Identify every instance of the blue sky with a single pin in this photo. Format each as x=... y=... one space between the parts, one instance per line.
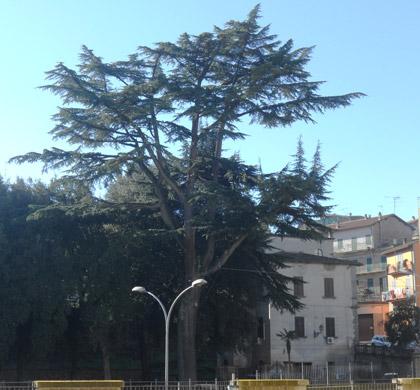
x=367 y=46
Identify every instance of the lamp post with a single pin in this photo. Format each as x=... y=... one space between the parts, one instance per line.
x=167 y=316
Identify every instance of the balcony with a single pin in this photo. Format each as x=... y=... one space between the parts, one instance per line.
x=397 y=294
x=371 y=268
x=369 y=294
x=402 y=268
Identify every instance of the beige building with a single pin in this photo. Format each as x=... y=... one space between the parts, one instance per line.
x=366 y=240
x=402 y=273
x=326 y=326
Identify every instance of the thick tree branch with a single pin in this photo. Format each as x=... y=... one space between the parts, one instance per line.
x=221 y=261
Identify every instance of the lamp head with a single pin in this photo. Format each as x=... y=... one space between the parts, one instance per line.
x=139 y=289
x=198 y=283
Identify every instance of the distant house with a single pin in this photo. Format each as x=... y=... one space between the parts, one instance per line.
x=365 y=240
x=326 y=326
x=402 y=274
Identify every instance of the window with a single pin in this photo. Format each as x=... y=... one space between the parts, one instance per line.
x=368 y=240
x=354 y=244
x=383 y=285
x=394 y=283
x=298 y=287
x=368 y=264
x=370 y=284
x=383 y=263
x=340 y=243
x=328 y=288
x=299 y=326
x=330 y=327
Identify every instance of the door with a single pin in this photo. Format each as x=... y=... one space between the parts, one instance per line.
x=365 y=327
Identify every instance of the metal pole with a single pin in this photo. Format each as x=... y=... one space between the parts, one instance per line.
x=168 y=319
x=167 y=316
x=328 y=379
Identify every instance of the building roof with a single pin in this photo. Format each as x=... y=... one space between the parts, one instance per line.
x=300 y=257
x=398 y=248
x=365 y=222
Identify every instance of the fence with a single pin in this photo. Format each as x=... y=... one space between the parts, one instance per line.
x=338 y=374
x=174 y=385
x=211 y=385
x=222 y=385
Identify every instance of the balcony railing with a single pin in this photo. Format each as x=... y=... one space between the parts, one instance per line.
x=404 y=267
x=374 y=294
x=397 y=294
x=370 y=268
x=369 y=294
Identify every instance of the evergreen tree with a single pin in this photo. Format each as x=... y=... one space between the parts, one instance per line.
x=130 y=116
x=403 y=325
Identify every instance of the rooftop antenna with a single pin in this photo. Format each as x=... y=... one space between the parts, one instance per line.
x=394 y=198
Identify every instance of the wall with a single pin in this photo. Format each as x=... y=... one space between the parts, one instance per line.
x=313 y=347
x=392 y=229
x=379 y=311
x=347 y=235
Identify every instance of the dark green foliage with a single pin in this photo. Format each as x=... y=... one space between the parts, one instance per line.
x=32 y=266
x=403 y=324
x=127 y=118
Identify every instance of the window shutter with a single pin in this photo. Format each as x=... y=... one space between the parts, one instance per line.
x=330 y=326
x=329 y=287
x=300 y=326
x=298 y=287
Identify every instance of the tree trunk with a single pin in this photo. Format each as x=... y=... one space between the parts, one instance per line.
x=106 y=361
x=187 y=330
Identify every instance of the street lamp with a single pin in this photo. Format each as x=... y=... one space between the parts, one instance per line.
x=167 y=316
